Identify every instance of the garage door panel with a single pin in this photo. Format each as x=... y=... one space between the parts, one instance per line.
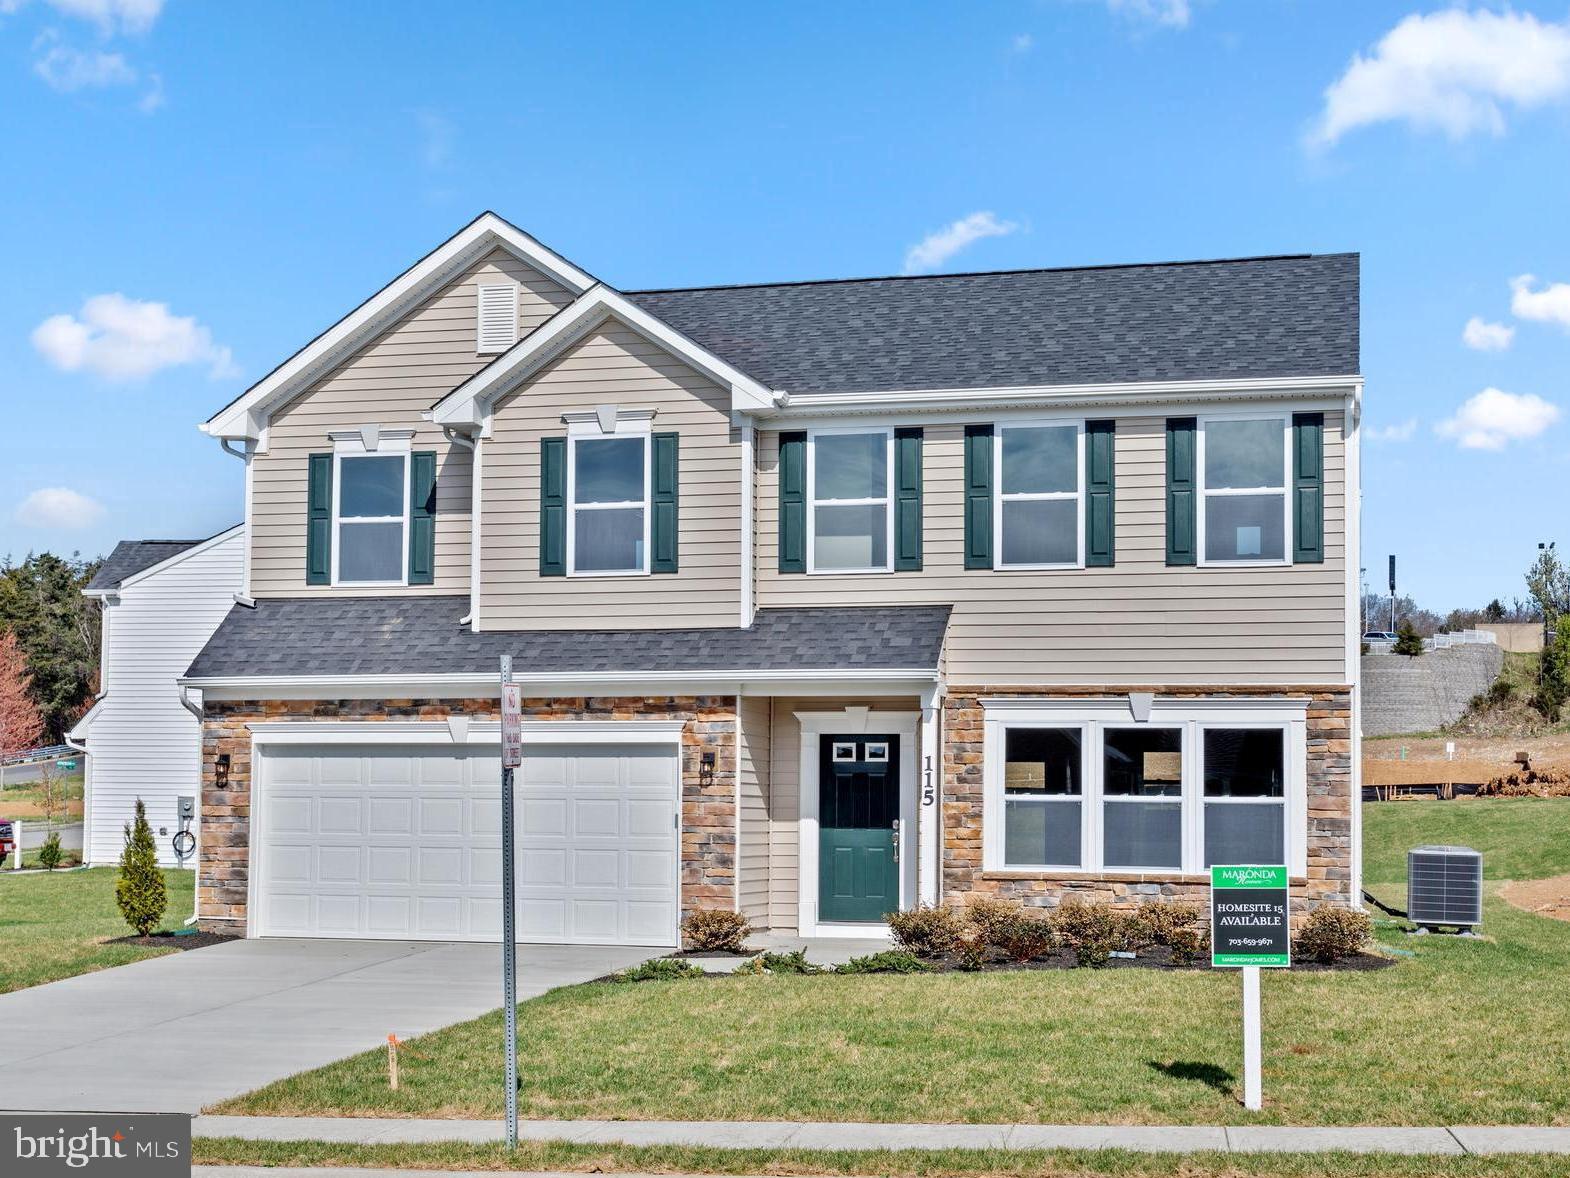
x=341 y=815
x=439 y=817
x=383 y=841
x=597 y=817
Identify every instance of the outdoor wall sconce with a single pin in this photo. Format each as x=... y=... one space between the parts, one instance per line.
x=706 y=769
x=221 y=771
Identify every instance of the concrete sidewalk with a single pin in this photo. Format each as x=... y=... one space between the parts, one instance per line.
x=1452 y=1141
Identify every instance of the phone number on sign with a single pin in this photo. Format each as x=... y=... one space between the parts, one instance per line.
x=1250 y=942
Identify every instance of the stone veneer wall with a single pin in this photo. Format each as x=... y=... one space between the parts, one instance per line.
x=708 y=836
x=1329 y=878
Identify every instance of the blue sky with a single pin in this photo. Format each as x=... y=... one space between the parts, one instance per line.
x=257 y=170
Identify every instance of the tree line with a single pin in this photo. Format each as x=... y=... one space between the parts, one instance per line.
x=49 y=648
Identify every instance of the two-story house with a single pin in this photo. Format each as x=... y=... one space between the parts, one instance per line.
x=827 y=598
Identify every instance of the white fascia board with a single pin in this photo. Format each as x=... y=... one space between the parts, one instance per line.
x=82 y=728
x=205 y=546
x=246 y=417
x=477 y=732
x=468 y=404
x=484 y=686
x=791 y=406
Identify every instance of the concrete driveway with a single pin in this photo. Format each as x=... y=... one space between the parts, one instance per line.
x=181 y=1032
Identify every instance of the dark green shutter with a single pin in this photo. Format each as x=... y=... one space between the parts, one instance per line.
x=793 y=503
x=319 y=520
x=662 y=528
x=422 y=517
x=1099 y=463
x=978 y=496
x=907 y=500
x=1182 y=490
x=553 y=507
x=1308 y=488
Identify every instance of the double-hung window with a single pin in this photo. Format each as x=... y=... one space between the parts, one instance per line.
x=1041 y=478
x=1078 y=786
x=1243 y=485
x=850 y=520
x=371 y=519
x=608 y=505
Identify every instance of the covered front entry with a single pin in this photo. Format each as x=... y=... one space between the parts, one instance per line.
x=858 y=827
x=401 y=841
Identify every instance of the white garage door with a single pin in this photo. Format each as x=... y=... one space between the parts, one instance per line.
x=404 y=842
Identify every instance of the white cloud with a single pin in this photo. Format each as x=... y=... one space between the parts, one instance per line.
x=59 y=507
x=1485 y=336
x=128 y=339
x=1022 y=43
x=1494 y=418
x=942 y=244
x=1168 y=14
x=1549 y=305
x=113 y=16
x=1401 y=431
x=1450 y=71
x=68 y=69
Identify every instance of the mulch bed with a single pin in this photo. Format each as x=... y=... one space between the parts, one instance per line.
x=181 y=941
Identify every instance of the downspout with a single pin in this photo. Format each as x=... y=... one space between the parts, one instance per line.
x=748 y=523
x=244 y=596
x=191 y=701
x=473 y=446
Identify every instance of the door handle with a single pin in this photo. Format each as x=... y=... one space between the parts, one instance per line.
x=895 y=835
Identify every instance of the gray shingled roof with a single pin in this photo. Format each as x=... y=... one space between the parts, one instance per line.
x=1248 y=317
x=135 y=556
x=414 y=635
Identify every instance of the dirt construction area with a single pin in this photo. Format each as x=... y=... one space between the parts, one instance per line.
x=1546 y=897
x=1406 y=760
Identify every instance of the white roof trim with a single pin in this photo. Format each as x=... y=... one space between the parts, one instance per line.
x=469 y=402
x=245 y=417
x=792 y=405
x=168 y=562
x=81 y=729
x=479 y=731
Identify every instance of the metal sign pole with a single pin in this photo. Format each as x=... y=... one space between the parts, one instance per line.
x=511 y=756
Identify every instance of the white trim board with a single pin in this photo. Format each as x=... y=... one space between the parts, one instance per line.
x=246 y=416
x=853 y=721
x=480 y=732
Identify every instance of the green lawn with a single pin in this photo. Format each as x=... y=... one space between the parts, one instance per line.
x=1520 y=838
x=1473 y=1032
x=559 y=1157
x=53 y=926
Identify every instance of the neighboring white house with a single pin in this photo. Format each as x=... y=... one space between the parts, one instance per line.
x=162 y=600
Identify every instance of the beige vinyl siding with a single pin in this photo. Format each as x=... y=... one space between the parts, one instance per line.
x=613 y=366
x=784 y=796
x=390 y=382
x=752 y=784
x=1138 y=622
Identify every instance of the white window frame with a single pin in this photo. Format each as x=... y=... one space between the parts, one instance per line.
x=587 y=432
x=1082 y=797
x=887 y=502
x=1092 y=717
x=386 y=448
x=1284 y=801
x=1181 y=800
x=1285 y=490
x=1077 y=495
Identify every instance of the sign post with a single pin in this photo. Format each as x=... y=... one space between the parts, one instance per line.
x=1249 y=930
x=512 y=757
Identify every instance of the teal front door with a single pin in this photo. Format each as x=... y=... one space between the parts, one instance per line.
x=858 y=827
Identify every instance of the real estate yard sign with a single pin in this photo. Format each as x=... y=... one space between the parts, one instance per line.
x=1248 y=917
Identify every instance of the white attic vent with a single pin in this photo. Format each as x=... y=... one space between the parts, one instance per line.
x=498 y=317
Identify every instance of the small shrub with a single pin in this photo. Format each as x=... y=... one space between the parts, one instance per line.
x=926 y=932
x=49 y=854
x=889 y=961
x=139 y=890
x=715 y=930
x=988 y=914
x=1408 y=641
x=752 y=967
x=793 y=962
x=1093 y=932
x=970 y=949
x=658 y=969
x=1332 y=934
x=1023 y=936
x=1177 y=927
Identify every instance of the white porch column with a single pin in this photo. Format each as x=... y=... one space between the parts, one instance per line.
x=929 y=778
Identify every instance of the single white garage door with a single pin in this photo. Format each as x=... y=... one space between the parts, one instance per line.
x=404 y=842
